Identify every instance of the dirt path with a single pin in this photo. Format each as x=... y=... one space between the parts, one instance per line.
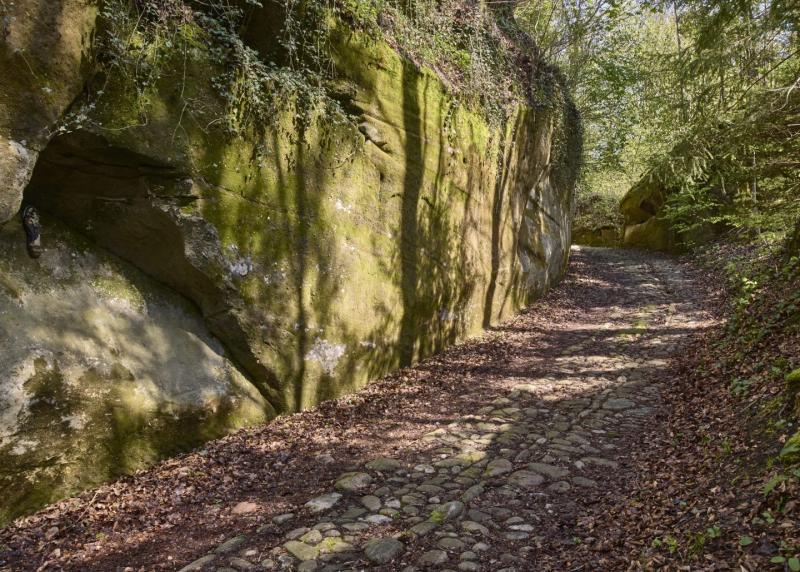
x=482 y=459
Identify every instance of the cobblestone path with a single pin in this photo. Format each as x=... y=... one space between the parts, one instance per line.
x=500 y=488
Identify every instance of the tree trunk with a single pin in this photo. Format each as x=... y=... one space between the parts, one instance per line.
x=793 y=244
x=681 y=71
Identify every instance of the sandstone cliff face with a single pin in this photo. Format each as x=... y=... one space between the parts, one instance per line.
x=103 y=371
x=194 y=281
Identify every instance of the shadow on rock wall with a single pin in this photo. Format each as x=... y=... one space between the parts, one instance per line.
x=315 y=255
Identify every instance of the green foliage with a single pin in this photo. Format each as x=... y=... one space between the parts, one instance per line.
x=480 y=54
x=738 y=175
x=733 y=168
x=463 y=43
x=672 y=544
x=739 y=387
x=610 y=51
x=791 y=450
x=595 y=210
x=773 y=483
x=437 y=516
x=699 y=95
x=698 y=544
x=791 y=562
x=142 y=40
x=754 y=317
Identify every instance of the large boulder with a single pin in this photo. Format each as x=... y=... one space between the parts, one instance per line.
x=652 y=234
x=641 y=209
x=103 y=371
x=643 y=201
x=647 y=226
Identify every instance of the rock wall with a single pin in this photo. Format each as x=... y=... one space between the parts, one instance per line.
x=44 y=47
x=103 y=371
x=195 y=281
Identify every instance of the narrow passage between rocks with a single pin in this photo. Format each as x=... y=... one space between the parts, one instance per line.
x=482 y=459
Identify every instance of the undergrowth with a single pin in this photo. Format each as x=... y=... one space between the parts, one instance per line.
x=477 y=51
x=724 y=482
x=597 y=211
x=756 y=357
x=140 y=42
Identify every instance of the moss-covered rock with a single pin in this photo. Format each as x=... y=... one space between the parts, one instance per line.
x=653 y=234
x=43 y=63
x=319 y=251
x=643 y=201
x=441 y=222
x=646 y=224
x=641 y=209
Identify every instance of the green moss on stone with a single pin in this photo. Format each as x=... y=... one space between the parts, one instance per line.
x=116 y=286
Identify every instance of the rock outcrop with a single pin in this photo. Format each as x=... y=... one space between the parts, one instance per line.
x=103 y=371
x=641 y=207
x=605 y=236
x=646 y=226
x=195 y=280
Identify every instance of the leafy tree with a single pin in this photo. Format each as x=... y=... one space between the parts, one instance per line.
x=701 y=95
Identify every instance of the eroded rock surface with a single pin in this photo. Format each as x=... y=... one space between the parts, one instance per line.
x=104 y=371
x=319 y=251
x=44 y=52
x=641 y=208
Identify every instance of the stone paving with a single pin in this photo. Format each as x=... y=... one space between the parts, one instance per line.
x=496 y=487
